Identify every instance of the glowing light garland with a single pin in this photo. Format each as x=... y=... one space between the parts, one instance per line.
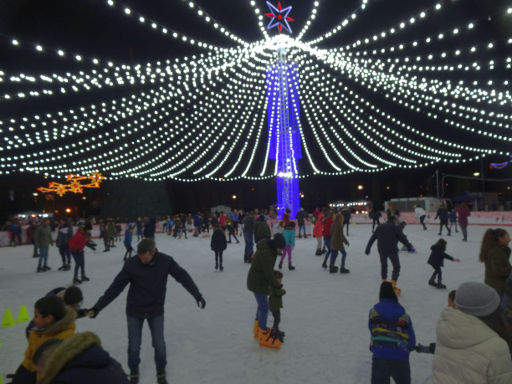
x=204 y=117
x=74 y=185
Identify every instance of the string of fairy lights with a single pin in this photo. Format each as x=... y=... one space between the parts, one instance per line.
x=204 y=116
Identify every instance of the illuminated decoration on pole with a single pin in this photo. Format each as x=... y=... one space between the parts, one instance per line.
x=279 y=17
x=500 y=165
x=74 y=184
x=283 y=124
x=429 y=87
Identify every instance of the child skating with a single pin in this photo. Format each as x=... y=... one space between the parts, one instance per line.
x=218 y=245
x=436 y=260
x=275 y=303
x=289 y=236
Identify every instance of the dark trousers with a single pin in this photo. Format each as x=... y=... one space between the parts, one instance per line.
x=249 y=244
x=128 y=252
x=65 y=254
x=422 y=221
x=444 y=223
x=373 y=224
x=384 y=265
x=327 y=244
x=464 y=229
x=277 y=318
x=302 y=229
x=156 y=326
x=78 y=256
x=231 y=232
x=437 y=273
x=347 y=223
x=218 y=258
x=383 y=370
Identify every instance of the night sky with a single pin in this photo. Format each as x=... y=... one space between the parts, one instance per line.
x=94 y=29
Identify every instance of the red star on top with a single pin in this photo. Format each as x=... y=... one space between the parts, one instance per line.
x=279 y=17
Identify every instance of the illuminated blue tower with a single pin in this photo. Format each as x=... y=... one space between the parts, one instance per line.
x=283 y=124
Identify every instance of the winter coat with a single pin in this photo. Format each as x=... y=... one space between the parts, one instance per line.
x=507 y=300
x=289 y=237
x=43 y=236
x=148 y=285
x=260 y=278
x=392 y=333
x=418 y=212
x=128 y=237
x=437 y=256
x=497 y=267
x=388 y=236
x=300 y=217
x=318 y=229
x=261 y=231
x=452 y=215
x=275 y=300
x=463 y=212
x=64 y=235
x=468 y=351
x=78 y=241
x=326 y=231
x=248 y=223
x=222 y=220
x=346 y=216
x=61 y=329
x=375 y=215
x=218 y=242
x=111 y=229
x=150 y=228
x=337 y=237
x=197 y=220
x=442 y=213
x=80 y=359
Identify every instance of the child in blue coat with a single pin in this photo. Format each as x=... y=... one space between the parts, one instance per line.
x=392 y=338
x=289 y=237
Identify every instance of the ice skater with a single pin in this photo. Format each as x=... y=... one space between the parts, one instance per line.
x=388 y=235
x=289 y=237
x=337 y=242
x=420 y=214
x=392 y=338
x=147 y=275
x=442 y=214
x=218 y=245
x=436 y=260
x=128 y=242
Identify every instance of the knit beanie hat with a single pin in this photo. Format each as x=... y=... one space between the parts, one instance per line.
x=476 y=299
x=278 y=241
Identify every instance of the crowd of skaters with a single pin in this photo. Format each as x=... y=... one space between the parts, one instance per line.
x=476 y=322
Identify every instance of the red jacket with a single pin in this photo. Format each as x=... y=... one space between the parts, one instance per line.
x=318 y=228
x=222 y=220
x=78 y=241
x=463 y=213
x=327 y=227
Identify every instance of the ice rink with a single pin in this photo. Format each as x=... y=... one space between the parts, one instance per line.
x=325 y=316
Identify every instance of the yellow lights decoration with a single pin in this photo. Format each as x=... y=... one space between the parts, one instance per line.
x=423 y=88
x=74 y=184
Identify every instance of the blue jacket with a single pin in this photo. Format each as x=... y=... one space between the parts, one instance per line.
x=392 y=334
x=289 y=236
x=148 y=285
x=128 y=237
x=197 y=220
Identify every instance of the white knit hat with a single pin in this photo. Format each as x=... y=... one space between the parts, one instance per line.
x=476 y=299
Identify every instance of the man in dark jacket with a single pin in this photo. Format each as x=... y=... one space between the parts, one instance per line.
x=261 y=229
x=248 y=224
x=260 y=280
x=301 y=217
x=388 y=235
x=76 y=360
x=147 y=275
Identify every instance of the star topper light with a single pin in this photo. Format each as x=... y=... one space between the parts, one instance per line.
x=279 y=17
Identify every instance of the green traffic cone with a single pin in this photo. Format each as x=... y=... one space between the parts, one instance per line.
x=23 y=315
x=8 y=320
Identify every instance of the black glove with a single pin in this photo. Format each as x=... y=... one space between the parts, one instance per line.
x=431 y=348
x=367 y=252
x=201 y=303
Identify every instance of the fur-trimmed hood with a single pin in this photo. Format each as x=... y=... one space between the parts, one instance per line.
x=62 y=324
x=73 y=351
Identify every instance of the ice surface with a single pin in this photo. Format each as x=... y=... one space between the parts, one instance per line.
x=325 y=316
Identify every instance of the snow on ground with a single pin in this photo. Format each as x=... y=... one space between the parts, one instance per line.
x=325 y=316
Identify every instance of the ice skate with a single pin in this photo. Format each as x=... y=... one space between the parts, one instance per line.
x=85 y=278
x=256 y=329
x=266 y=339
x=333 y=269
x=290 y=267
x=161 y=377
x=344 y=270
x=280 y=265
x=76 y=280
x=397 y=290
x=432 y=282
x=440 y=285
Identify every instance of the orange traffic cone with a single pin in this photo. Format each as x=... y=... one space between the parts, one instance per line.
x=265 y=339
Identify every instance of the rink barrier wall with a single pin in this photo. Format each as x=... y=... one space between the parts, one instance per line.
x=495 y=218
